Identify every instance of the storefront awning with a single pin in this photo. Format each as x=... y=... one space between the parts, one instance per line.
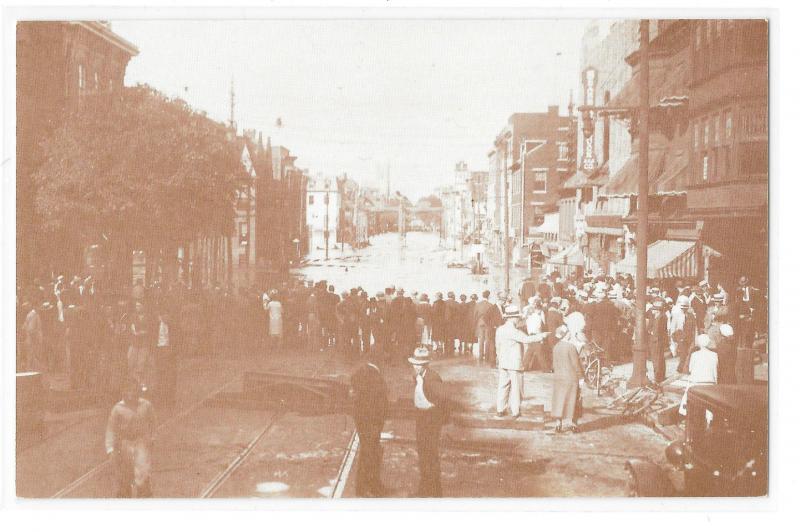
x=550 y=225
x=571 y=256
x=582 y=179
x=669 y=77
x=668 y=172
x=668 y=259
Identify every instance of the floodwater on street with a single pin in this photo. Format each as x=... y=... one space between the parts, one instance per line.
x=418 y=266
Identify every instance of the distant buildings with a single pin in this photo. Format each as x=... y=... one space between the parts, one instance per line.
x=528 y=164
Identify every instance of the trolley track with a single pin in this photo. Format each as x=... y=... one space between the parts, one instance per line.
x=261 y=439
x=87 y=484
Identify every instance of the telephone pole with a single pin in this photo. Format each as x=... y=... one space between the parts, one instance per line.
x=506 y=236
x=639 y=375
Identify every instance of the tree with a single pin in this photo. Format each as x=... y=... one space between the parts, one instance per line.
x=139 y=170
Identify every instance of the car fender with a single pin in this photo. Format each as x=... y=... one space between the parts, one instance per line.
x=648 y=480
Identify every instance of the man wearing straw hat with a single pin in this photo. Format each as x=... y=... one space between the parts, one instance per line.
x=510 y=344
x=430 y=402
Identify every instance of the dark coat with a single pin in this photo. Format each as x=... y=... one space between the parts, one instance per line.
x=370 y=396
x=435 y=391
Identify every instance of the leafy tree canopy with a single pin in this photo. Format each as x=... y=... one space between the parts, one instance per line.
x=138 y=167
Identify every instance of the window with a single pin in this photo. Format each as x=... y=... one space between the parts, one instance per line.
x=96 y=81
x=698 y=35
x=706 y=127
x=539 y=180
x=753 y=159
x=696 y=135
x=754 y=122
x=710 y=30
x=716 y=129
x=311 y=199
x=705 y=167
x=563 y=151
x=243 y=233
x=719 y=28
x=81 y=77
x=728 y=125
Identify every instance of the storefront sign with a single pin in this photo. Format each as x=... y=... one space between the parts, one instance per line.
x=589 y=161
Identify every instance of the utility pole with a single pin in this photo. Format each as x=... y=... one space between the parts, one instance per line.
x=506 y=237
x=327 y=214
x=639 y=375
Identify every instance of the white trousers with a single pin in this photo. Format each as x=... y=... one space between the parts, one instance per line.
x=509 y=391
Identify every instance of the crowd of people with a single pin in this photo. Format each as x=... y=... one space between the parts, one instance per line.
x=119 y=345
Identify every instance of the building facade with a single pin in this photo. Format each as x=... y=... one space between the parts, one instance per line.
x=61 y=66
x=322 y=215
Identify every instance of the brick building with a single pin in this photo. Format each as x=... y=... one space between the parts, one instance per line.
x=60 y=67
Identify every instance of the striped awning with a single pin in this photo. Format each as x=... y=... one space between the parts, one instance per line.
x=668 y=259
x=571 y=256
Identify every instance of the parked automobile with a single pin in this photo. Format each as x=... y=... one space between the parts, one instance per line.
x=724 y=452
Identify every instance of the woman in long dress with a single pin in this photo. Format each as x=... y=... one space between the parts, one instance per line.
x=567 y=375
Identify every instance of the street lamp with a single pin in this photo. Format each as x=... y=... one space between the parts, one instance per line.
x=640 y=117
x=296 y=243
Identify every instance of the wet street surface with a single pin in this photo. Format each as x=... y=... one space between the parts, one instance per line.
x=211 y=451
x=420 y=265
x=212 y=448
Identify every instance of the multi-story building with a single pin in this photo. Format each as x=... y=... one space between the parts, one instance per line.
x=478 y=196
x=61 y=66
x=708 y=170
x=528 y=165
x=322 y=214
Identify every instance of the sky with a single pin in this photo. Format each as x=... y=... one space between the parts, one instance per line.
x=363 y=96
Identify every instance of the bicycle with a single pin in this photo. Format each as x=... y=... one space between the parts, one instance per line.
x=595 y=373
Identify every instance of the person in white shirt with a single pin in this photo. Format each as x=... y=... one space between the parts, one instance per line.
x=702 y=368
x=509 y=344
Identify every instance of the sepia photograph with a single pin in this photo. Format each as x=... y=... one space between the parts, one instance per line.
x=392 y=258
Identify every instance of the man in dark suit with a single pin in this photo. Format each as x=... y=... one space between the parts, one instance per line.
x=482 y=319
x=657 y=339
x=370 y=407
x=451 y=323
x=431 y=403
x=745 y=305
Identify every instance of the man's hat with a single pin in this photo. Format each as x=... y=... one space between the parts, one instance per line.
x=511 y=311
x=421 y=357
x=683 y=301
x=726 y=330
x=717 y=298
x=658 y=303
x=450 y=295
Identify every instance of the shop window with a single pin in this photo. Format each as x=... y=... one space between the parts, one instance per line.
x=311 y=199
